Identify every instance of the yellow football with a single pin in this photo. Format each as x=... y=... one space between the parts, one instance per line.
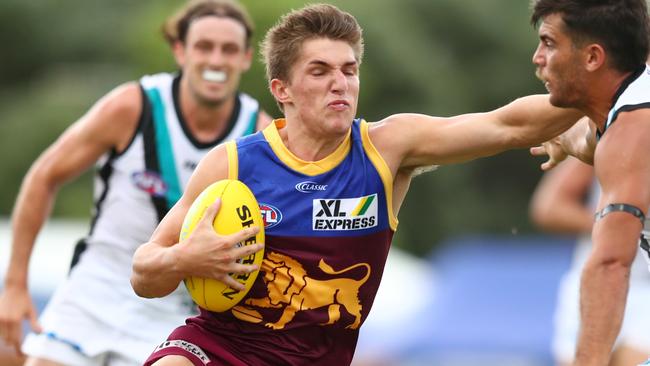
x=239 y=210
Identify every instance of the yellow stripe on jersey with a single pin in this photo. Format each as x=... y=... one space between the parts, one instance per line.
x=382 y=169
x=310 y=168
x=233 y=160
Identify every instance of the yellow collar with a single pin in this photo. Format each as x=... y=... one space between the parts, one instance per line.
x=310 y=168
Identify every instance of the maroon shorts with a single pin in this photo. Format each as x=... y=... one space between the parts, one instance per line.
x=191 y=342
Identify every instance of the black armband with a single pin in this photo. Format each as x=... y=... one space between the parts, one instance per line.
x=620 y=207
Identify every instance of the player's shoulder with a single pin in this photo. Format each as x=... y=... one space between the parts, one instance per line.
x=124 y=102
x=114 y=117
x=402 y=125
x=628 y=138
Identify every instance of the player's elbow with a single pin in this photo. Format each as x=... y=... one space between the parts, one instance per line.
x=144 y=279
x=145 y=286
x=150 y=276
x=139 y=281
x=541 y=216
x=138 y=287
x=612 y=261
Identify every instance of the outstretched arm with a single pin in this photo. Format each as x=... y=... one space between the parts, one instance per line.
x=412 y=140
x=624 y=174
x=162 y=263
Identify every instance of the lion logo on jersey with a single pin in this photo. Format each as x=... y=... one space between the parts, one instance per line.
x=290 y=287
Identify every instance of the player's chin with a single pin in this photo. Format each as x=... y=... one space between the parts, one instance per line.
x=214 y=98
x=345 y=115
x=340 y=122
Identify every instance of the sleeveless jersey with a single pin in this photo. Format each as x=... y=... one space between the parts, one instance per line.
x=328 y=227
x=126 y=192
x=125 y=216
x=633 y=94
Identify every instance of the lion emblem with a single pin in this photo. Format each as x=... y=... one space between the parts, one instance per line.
x=290 y=287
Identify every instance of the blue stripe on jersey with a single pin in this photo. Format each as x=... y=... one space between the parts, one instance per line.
x=347 y=200
x=164 y=146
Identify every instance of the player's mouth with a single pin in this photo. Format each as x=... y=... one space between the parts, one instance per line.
x=214 y=76
x=538 y=74
x=339 y=105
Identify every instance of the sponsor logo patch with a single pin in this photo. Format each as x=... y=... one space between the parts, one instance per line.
x=149 y=182
x=310 y=187
x=345 y=214
x=271 y=215
x=192 y=348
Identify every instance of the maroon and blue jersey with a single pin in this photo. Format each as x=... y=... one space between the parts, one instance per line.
x=328 y=228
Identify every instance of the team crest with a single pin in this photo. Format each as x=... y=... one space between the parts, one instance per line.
x=292 y=289
x=150 y=182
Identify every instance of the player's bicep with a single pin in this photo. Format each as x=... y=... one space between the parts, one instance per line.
x=621 y=161
x=107 y=124
x=449 y=140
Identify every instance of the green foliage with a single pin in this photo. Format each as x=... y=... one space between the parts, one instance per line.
x=438 y=57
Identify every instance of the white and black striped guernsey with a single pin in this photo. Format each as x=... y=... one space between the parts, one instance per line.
x=95 y=311
x=155 y=167
x=135 y=188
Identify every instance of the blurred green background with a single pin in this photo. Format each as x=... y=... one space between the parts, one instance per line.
x=439 y=57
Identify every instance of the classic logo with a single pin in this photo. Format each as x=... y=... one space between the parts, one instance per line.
x=310 y=187
x=345 y=214
x=149 y=182
x=271 y=215
x=291 y=288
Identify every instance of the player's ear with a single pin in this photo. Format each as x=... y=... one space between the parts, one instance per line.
x=179 y=53
x=595 y=57
x=280 y=91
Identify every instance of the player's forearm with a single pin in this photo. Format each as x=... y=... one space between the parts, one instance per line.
x=32 y=209
x=532 y=120
x=602 y=302
x=155 y=270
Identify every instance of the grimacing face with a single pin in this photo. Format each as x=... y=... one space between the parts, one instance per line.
x=213 y=58
x=559 y=63
x=323 y=89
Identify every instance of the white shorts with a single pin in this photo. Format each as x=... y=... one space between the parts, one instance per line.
x=95 y=318
x=635 y=331
x=66 y=352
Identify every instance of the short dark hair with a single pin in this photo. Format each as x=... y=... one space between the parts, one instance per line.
x=176 y=26
x=621 y=27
